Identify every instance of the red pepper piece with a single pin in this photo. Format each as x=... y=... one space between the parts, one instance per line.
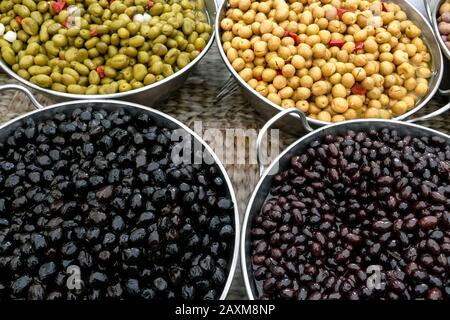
x=359 y=46
x=341 y=11
x=384 y=7
x=150 y=4
x=358 y=89
x=293 y=36
x=59 y=5
x=93 y=33
x=101 y=72
x=65 y=24
x=19 y=19
x=336 y=43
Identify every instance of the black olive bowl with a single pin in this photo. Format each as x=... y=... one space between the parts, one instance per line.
x=299 y=147
x=159 y=119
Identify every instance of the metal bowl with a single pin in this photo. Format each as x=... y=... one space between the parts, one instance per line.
x=147 y=95
x=43 y=113
x=281 y=162
x=432 y=10
x=267 y=108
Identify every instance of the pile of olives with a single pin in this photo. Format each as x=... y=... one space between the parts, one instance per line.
x=101 y=47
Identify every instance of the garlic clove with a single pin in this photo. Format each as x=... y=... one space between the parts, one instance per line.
x=10 y=36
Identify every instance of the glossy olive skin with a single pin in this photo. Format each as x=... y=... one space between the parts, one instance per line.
x=98 y=190
x=349 y=202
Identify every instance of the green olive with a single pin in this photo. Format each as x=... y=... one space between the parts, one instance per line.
x=110 y=88
x=131 y=52
x=132 y=28
x=200 y=43
x=171 y=56
x=143 y=57
x=157 y=68
x=56 y=76
x=26 y=61
x=123 y=87
x=119 y=61
x=110 y=72
x=167 y=70
x=59 y=40
x=157 y=9
x=106 y=81
x=51 y=48
x=154 y=32
x=94 y=78
x=183 y=60
x=43 y=34
x=95 y=9
x=127 y=73
x=76 y=89
x=80 y=68
x=64 y=51
x=23 y=74
x=71 y=54
x=136 y=84
x=139 y=71
x=82 y=55
x=36 y=70
x=68 y=79
x=21 y=10
x=123 y=33
x=71 y=72
x=159 y=49
x=41 y=60
x=136 y=41
x=30 y=4
x=30 y=26
x=188 y=27
x=84 y=81
x=4 y=43
x=149 y=79
x=43 y=6
x=53 y=28
x=42 y=80
x=101 y=47
x=89 y=44
x=112 y=51
x=92 y=89
x=32 y=49
x=6 y=6
x=93 y=52
x=73 y=32
x=59 y=87
x=90 y=64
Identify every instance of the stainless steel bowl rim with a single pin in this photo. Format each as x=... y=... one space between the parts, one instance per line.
x=235 y=253
x=434 y=16
x=118 y=95
x=246 y=224
x=318 y=123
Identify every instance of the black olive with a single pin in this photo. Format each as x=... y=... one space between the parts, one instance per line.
x=46 y=270
x=97 y=190
x=349 y=202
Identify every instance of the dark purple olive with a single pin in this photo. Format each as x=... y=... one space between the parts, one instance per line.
x=352 y=207
x=92 y=206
